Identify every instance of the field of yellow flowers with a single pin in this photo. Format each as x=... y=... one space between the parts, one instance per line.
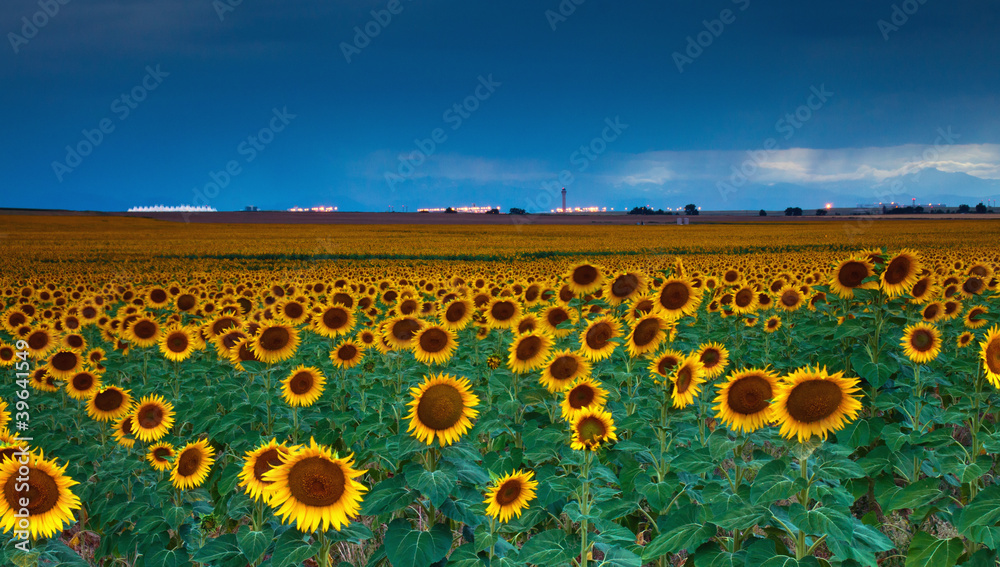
x=749 y=395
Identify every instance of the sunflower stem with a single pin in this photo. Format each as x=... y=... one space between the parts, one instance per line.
x=323 y=557
x=493 y=537
x=295 y=424
x=585 y=506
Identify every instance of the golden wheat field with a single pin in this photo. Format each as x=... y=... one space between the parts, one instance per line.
x=774 y=394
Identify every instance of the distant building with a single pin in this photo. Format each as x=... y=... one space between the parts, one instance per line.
x=250 y=209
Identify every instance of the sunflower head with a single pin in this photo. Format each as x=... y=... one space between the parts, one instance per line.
x=152 y=418
x=45 y=487
x=562 y=369
x=591 y=428
x=687 y=378
x=901 y=273
x=347 y=354
x=508 y=496
x=434 y=344
x=648 y=333
x=160 y=456
x=714 y=357
x=676 y=298
x=258 y=462
x=811 y=401
x=192 y=464
x=851 y=274
x=921 y=342
x=442 y=408
x=743 y=400
x=582 y=394
x=584 y=278
x=275 y=342
x=529 y=351
x=596 y=340
x=109 y=403
x=303 y=386
x=989 y=352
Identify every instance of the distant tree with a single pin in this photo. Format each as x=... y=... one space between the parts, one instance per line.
x=691 y=209
x=963 y=209
x=980 y=208
x=493 y=211
x=762 y=213
x=646 y=211
x=450 y=210
x=821 y=212
x=793 y=212
x=517 y=211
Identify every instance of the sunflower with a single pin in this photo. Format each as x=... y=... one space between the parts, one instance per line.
x=7 y=354
x=442 y=408
x=241 y=352
x=159 y=456
x=932 y=311
x=509 y=495
x=555 y=317
x=789 y=298
x=687 y=378
x=256 y=463
x=924 y=290
x=456 y=314
x=152 y=418
x=583 y=394
x=974 y=317
x=125 y=432
x=399 y=331
x=4 y=415
x=74 y=341
x=745 y=300
x=64 y=364
x=303 y=386
x=367 y=339
x=315 y=488
x=714 y=357
x=773 y=324
x=434 y=344
x=291 y=311
x=82 y=385
x=965 y=339
x=529 y=351
x=275 y=342
x=595 y=340
x=850 y=275
x=989 y=351
x=648 y=332
x=677 y=298
x=743 y=400
x=810 y=401
x=901 y=273
x=143 y=332
x=528 y=322
x=591 y=427
x=921 y=342
x=40 y=342
x=347 y=354
x=45 y=487
x=333 y=320
x=192 y=464
x=584 y=278
x=502 y=313
x=663 y=364
x=564 y=367
x=176 y=343
x=109 y=404
x=624 y=287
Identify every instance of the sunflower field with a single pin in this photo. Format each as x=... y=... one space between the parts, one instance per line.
x=742 y=395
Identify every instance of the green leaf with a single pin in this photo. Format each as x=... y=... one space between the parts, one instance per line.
x=916 y=495
x=821 y=521
x=926 y=549
x=550 y=547
x=407 y=547
x=176 y=515
x=435 y=485
x=465 y=556
x=387 y=496
x=217 y=549
x=291 y=549
x=619 y=557
x=983 y=510
x=782 y=561
x=254 y=544
x=684 y=537
x=168 y=558
x=841 y=469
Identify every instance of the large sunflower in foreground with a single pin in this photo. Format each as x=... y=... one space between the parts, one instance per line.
x=595 y=340
x=303 y=386
x=901 y=273
x=109 y=403
x=160 y=455
x=565 y=367
x=314 y=488
x=584 y=394
x=591 y=428
x=456 y=314
x=82 y=385
x=529 y=351
x=509 y=495
x=45 y=487
x=177 y=344
x=850 y=275
x=275 y=342
x=442 y=408
x=502 y=313
x=990 y=354
x=192 y=464
x=646 y=336
x=677 y=298
x=810 y=401
x=921 y=342
x=256 y=463
x=434 y=344
x=152 y=418
x=714 y=357
x=743 y=400
x=687 y=377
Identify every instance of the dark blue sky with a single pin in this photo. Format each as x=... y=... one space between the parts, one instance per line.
x=348 y=130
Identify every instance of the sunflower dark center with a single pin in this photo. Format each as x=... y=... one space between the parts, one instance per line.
x=440 y=407
x=144 y=329
x=265 y=462
x=951 y=307
x=591 y=429
x=315 y=481
x=177 y=342
x=503 y=310
x=624 y=285
x=773 y=323
x=42 y=492
x=814 y=400
x=293 y=310
x=189 y=462
x=922 y=340
x=585 y=275
x=920 y=288
x=975 y=314
x=433 y=340
x=749 y=395
x=274 y=338
x=301 y=383
x=6 y=353
x=598 y=335
x=898 y=270
x=790 y=298
x=684 y=378
x=335 y=318
x=532 y=292
x=149 y=416
x=38 y=340
x=852 y=274
x=161 y=453
x=408 y=306
x=744 y=297
x=509 y=492
x=109 y=400
x=556 y=316
x=710 y=357
x=581 y=396
x=455 y=312
x=405 y=329
x=675 y=295
x=565 y=293
x=83 y=381
x=344 y=299
x=564 y=367
x=731 y=276
x=931 y=311
x=645 y=332
x=528 y=347
x=74 y=341
x=347 y=352
x=972 y=286
x=158 y=295
x=186 y=302
x=666 y=364
x=992 y=355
